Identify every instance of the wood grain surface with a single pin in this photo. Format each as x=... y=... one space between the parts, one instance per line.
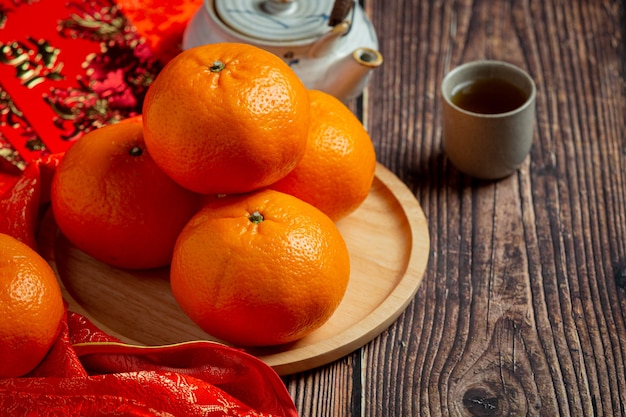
x=523 y=306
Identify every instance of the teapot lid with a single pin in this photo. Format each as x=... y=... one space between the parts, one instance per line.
x=276 y=20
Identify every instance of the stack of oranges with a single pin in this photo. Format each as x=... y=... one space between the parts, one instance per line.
x=235 y=175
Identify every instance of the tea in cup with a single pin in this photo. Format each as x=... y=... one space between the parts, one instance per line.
x=488 y=118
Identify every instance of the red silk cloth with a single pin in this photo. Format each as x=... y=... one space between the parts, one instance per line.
x=68 y=67
x=88 y=373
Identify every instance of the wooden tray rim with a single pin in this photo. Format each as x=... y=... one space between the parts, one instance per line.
x=370 y=326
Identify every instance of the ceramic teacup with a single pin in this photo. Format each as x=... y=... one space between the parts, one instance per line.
x=488 y=118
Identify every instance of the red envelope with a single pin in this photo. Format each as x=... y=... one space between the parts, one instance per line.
x=67 y=68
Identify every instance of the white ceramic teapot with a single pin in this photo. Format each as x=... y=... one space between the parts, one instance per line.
x=330 y=44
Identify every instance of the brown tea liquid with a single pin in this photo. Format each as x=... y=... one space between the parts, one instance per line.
x=488 y=96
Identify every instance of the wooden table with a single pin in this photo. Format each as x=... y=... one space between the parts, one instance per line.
x=522 y=309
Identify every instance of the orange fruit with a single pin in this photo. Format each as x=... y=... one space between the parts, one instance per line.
x=226 y=118
x=336 y=173
x=259 y=269
x=31 y=307
x=113 y=202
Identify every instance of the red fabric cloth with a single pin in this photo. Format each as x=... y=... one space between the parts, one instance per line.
x=22 y=196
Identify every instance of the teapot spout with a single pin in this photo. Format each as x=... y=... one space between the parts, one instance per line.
x=349 y=76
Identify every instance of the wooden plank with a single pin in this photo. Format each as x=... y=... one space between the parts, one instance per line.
x=519 y=312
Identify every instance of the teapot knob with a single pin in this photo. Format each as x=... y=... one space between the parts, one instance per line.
x=278 y=6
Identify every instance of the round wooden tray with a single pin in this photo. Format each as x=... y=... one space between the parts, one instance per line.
x=389 y=246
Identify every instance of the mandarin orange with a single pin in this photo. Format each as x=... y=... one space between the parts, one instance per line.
x=336 y=173
x=260 y=269
x=113 y=202
x=31 y=307
x=226 y=118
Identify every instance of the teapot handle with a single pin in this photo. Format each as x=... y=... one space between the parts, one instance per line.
x=340 y=11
